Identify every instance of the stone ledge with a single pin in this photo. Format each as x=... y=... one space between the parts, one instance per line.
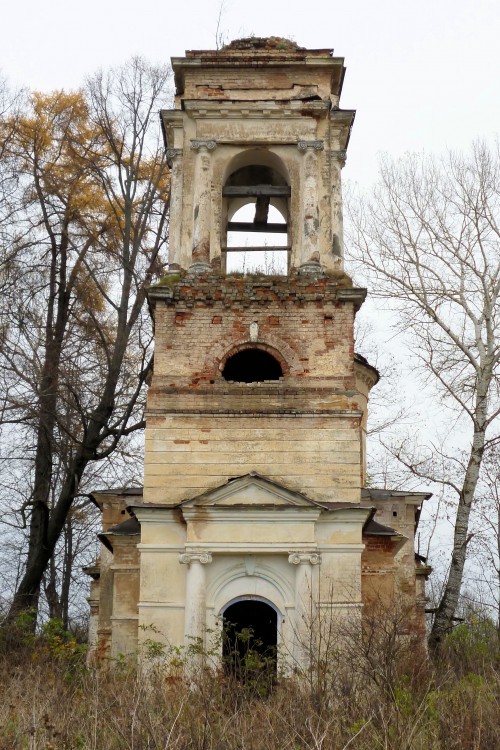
x=352 y=413
x=211 y=288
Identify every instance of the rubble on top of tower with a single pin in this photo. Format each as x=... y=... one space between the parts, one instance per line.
x=270 y=43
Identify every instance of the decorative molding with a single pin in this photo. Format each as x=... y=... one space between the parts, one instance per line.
x=199 y=268
x=311 y=268
x=353 y=549
x=125 y=618
x=316 y=145
x=237 y=109
x=296 y=558
x=172 y=154
x=281 y=548
x=251 y=514
x=162 y=605
x=163 y=514
x=236 y=414
x=368 y=380
x=161 y=548
x=249 y=565
x=340 y=155
x=254 y=331
x=186 y=558
x=210 y=145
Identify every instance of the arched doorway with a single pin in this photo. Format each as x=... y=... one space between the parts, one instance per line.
x=250 y=640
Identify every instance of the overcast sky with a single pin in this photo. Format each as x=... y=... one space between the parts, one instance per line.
x=420 y=75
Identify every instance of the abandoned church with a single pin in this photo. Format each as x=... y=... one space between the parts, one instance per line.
x=255 y=509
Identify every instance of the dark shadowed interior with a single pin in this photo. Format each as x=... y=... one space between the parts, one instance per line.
x=252 y=366
x=250 y=638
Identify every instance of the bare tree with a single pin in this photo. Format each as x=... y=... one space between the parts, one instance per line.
x=429 y=241
x=91 y=220
x=485 y=544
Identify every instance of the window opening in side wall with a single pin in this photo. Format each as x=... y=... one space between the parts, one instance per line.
x=252 y=366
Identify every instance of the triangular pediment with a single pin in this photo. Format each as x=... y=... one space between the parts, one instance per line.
x=252 y=490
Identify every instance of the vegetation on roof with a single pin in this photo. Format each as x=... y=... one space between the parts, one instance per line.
x=270 y=43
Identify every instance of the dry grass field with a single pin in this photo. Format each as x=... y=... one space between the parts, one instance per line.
x=386 y=696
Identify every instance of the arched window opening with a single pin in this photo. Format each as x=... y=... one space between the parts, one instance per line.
x=249 y=640
x=257 y=249
x=252 y=366
x=256 y=227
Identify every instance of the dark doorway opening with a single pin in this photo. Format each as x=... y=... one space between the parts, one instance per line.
x=250 y=639
x=252 y=366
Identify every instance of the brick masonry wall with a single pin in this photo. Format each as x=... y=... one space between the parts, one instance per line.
x=302 y=431
x=377 y=566
x=261 y=83
x=306 y=322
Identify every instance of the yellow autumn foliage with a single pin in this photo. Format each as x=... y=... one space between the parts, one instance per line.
x=67 y=163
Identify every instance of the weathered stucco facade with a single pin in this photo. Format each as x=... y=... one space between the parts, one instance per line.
x=255 y=460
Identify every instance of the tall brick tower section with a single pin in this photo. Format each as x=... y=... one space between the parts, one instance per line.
x=256 y=123
x=253 y=508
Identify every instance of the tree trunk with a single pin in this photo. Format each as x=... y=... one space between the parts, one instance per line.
x=39 y=555
x=50 y=587
x=443 y=621
x=67 y=571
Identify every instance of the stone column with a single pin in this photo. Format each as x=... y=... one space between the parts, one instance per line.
x=305 y=604
x=310 y=256
x=195 y=604
x=202 y=205
x=174 y=160
x=93 y=601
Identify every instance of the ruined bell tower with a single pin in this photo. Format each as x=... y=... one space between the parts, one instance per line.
x=253 y=507
x=256 y=125
x=261 y=123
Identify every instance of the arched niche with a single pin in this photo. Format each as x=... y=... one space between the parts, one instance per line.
x=255 y=214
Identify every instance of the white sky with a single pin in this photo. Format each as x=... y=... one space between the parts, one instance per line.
x=421 y=74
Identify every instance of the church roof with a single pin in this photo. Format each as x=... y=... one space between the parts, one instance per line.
x=130 y=527
x=379 y=494
x=374 y=528
x=284 y=496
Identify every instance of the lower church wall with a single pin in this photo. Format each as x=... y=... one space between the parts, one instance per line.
x=317 y=455
x=315 y=567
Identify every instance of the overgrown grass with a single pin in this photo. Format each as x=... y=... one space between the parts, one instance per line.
x=393 y=701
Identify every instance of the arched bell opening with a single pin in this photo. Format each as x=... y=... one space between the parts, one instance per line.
x=250 y=640
x=252 y=365
x=255 y=215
